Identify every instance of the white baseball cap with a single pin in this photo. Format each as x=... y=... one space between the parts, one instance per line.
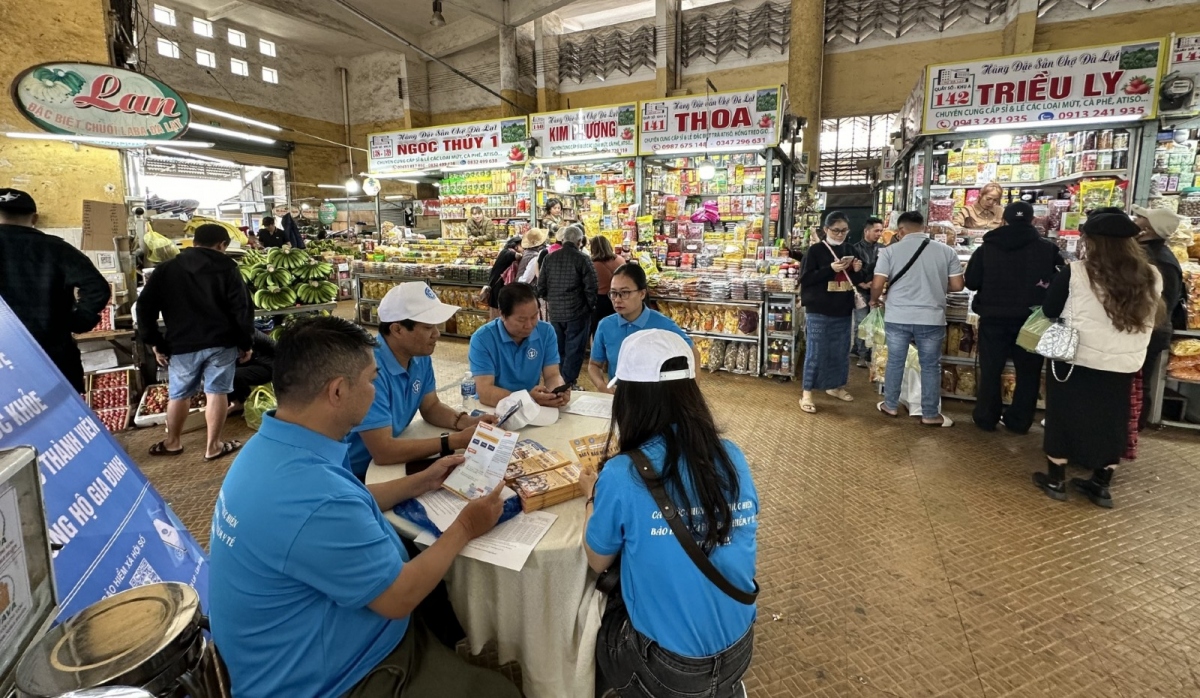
x=528 y=413
x=645 y=352
x=414 y=300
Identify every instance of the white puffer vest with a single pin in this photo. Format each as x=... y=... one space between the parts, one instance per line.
x=1101 y=346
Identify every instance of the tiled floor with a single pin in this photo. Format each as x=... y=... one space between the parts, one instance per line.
x=897 y=560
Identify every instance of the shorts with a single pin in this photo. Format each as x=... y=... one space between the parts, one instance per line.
x=215 y=366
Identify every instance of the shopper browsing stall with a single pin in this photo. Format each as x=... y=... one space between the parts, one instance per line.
x=532 y=246
x=567 y=281
x=253 y=373
x=867 y=250
x=829 y=278
x=917 y=272
x=504 y=272
x=1010 y=273
x=985 y=213
x=1157 y=226
x=210 y=328
x=606 y=261
x=312 y=593
x=517 y=352
x=408 y=318
x=628 y=295
x=669 y=625
x=1110 y=301
x=53 y=288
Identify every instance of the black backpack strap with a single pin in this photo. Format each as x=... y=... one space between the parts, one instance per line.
x=684 y=536
x=924 y=243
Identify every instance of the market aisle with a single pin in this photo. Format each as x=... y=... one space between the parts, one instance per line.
x=902 y=560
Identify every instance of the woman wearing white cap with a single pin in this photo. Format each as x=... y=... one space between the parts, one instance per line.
x=682 y=620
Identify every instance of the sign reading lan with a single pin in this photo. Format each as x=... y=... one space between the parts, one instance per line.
x=84 y=99
x=116 y=532
x=476 y=146
x=1118 y=83
x=596 y=131
x=726 y=121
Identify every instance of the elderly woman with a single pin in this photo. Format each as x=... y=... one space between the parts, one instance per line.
x=829 y=277
x=986 y=212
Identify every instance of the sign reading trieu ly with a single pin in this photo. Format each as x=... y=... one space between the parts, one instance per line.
x=475 y=146
x=727 y=121
x=1118 y=82
x=583 y=132
x=85 y=99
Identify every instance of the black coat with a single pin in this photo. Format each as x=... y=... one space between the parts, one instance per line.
x=1011 y=272
x=816 y=275
x=567 y=280
x=1172 y=281
x=203 y=301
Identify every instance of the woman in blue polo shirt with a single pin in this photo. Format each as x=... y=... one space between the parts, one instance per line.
x=628 y=293
x=517 y=351
x=670 y=630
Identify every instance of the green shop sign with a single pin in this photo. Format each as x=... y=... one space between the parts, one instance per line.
x=327 y=213
x=86 y=99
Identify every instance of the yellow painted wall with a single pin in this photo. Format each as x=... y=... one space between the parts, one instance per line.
x=57 y=175
x=612 y=94
x=1131 y=26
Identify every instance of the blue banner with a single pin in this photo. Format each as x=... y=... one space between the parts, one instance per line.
x=116 y=532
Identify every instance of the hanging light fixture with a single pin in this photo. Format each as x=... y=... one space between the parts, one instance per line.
x=437 y=20
x=562 y=185
x=352 y=186
x=706 y=170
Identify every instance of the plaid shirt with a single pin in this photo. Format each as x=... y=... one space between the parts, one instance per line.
x=39 y=277
x=567 y=280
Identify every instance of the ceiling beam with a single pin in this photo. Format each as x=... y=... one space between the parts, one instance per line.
x=525 y=11
x=317 y=19
x=458 y=36
x=224 y=11
x=495 y=18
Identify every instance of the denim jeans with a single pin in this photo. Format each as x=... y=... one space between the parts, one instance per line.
x=572 y=341
x=858 y=345
x=929 y=340
x=637 y=667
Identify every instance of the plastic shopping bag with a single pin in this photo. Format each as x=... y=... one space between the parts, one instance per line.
x=1033 y=329
x=871 y=330
x=261 y=399
x=910 y=386
x=159 y=247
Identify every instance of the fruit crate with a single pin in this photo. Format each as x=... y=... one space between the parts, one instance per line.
x=155 y=396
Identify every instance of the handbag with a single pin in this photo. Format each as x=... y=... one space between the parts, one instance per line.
x=671 y=515
x=1060 y=342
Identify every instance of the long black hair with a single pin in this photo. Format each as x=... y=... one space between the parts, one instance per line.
x=677 y=412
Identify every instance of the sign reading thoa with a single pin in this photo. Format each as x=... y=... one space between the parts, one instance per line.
x=586 y=132
x=476 y=146
x=1118 y=82
x=84 y=99
x=726 y=121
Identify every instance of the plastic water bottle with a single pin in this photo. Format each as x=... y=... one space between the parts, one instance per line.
x=470 y=399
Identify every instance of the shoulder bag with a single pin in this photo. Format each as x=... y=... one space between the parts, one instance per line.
x=1060 y=342
x=892 y=281
x=684 y=536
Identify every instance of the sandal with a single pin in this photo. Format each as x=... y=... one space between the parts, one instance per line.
x=807 y=406
x=227 y=447
x=160 y=449
x=946 y=422
x=882 y=409
x=841 y=394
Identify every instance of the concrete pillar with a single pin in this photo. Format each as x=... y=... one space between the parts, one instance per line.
x=416 y=92
x=806 y=54
x=508 y=71
x=1020 y=27
x=546 y=31
x=666 y=15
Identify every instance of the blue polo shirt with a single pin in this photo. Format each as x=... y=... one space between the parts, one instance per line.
x=514 y=366
x=614 y=330
x=398 y=396
x=299 y=548
x=669 y=599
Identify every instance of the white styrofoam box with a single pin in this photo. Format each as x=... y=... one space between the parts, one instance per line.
x=100 y=360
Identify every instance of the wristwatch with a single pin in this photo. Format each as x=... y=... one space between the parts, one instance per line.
x=446 y=450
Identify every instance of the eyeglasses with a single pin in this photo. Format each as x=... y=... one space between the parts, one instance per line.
x=620 y=295
x=839 y=231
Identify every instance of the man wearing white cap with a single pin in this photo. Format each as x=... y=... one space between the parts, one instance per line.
x=408 y=318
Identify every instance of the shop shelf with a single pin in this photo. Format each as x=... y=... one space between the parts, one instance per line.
x=1121 y=174
x=740 y=304
x=104 y=334
x=962 y=360
x=719 y=335
x=369 y=301
x=297 y=309
x=1180 y=425
x=781 y=335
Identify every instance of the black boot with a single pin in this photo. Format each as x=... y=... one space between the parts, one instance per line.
x=1051 y=482
x=1097 y=488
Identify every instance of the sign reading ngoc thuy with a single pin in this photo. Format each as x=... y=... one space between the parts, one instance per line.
x=85 y=99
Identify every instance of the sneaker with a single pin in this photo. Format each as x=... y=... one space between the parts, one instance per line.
x=862 y=363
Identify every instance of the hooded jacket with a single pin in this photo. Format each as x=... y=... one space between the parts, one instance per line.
x=203 y=301
x=1011 y=272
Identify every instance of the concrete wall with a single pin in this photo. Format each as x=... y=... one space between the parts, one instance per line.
x=454 y=100
x=57 y=175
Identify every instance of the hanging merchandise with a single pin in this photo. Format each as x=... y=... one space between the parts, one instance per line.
x=327 y=214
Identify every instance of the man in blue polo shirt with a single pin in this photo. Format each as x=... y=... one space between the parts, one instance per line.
x=628 y=293
x=311 y=592
x=517 y=351
x=408 y=318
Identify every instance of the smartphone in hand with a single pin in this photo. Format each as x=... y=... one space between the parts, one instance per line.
x=561 y=389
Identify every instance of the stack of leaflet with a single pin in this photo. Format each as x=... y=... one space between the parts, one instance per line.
x=541 y=477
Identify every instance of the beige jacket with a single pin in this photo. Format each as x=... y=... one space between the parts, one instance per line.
x=1101 y=346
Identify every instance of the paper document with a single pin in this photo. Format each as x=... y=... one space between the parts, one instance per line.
x=507 y=545
x=590 y=405
x=487 y=458
x=442 y=506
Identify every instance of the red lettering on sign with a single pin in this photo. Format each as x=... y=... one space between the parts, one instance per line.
x=721 y=119
x=604 y=129
x=422 y=148
x=106 y=86
x=560 y=133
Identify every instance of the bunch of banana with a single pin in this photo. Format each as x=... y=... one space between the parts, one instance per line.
x=277 y=332
x=287 y=257
x=274 y=298
x=316 y=291
x=249 y=271
x=314 y=268
x=269 y=275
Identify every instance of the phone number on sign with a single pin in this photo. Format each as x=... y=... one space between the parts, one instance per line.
x=1093 y=113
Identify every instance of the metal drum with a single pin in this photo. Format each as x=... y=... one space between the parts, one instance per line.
x=149 y=638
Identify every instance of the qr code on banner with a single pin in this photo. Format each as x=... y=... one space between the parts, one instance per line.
x=143 y=575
